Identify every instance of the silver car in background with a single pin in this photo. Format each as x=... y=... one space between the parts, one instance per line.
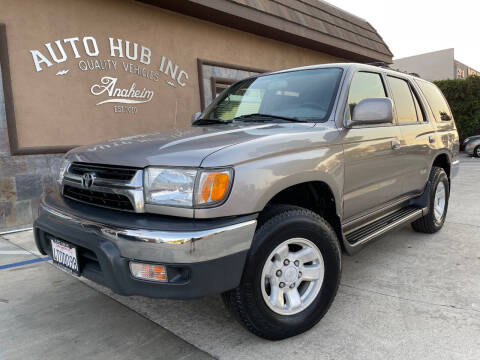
x=472 y=145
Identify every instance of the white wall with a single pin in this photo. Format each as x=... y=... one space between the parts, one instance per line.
x=437 y=65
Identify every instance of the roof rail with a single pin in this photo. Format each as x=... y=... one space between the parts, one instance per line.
x=379 y=64
x=386 y=66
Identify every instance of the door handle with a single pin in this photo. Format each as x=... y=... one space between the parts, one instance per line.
x=396 y=144
x=431 y=139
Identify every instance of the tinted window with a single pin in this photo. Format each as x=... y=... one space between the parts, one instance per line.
x=436 y=101
x=403 y=98
x=420 y=115
x=365 y=85
x=305 y=95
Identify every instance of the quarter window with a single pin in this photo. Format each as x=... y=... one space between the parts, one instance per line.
x=419 y=109
x=404 y=100
x=365 y=85
x=437 y=102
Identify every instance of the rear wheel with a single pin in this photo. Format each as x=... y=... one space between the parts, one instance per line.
x=439 y=196
x=291 y=275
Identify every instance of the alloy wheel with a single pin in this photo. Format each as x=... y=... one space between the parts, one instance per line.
x=292 y=276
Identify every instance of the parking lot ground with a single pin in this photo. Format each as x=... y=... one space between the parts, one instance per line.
x=48 y=314
x=406 y=296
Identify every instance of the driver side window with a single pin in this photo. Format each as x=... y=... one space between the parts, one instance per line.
x=365 y=85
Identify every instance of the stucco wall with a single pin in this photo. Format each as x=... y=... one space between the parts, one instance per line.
x=60 y=96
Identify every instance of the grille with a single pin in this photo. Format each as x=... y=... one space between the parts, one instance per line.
x=114 y=201
x=103 y=172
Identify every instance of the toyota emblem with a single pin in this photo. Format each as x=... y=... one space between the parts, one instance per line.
x=88 y=180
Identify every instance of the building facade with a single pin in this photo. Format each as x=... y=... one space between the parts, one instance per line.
x=79 y=72
x=437 y=65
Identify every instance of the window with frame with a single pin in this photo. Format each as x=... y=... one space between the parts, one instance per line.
x=404 y=101
x=420 y=111
x=437 y=102
x=219 y=85
x=365 y=85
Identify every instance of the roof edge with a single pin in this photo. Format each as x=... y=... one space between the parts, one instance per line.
x=236 y=16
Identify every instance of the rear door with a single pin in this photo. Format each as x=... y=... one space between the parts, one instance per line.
x=373 y=167
x=418 y=135
x=446 y=132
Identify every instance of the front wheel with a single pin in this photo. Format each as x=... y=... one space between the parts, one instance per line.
x=291 y=275
x=438 y=206
x=476 y=151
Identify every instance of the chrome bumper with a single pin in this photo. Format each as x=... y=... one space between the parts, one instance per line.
x=164 y=246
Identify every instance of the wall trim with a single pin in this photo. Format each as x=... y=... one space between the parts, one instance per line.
x=218 y=80
x=7 y=91
x=10 y=108
x=201 y=62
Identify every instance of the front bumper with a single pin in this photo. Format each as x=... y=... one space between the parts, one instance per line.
x=202 y=257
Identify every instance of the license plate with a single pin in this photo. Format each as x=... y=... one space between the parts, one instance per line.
x=64 y=256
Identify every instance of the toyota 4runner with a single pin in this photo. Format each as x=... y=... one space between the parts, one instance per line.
x=258 y=199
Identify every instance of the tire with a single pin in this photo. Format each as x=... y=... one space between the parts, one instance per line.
x=431 y=222
x=476 y=151
x=249 y=302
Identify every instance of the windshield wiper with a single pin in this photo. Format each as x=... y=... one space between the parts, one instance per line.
x=264 y=117
x=210 y=121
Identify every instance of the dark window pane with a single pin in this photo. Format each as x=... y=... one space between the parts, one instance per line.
x=365 y=85
x=219 y=88
x=436 y=100
x=402 y=96
x=418 y=108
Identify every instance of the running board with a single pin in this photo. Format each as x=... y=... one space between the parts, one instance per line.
x=378 y=227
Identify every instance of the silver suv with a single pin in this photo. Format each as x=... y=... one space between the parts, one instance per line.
x=258 y=199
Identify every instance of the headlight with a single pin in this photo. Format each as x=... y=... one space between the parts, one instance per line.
x=169 y=186
x=186 y=187
x=63 y=169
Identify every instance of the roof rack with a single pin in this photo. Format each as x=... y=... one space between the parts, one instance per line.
x=386 y=66
x=379 y=64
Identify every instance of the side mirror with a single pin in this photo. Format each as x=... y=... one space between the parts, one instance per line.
x=196 y=116
x=373 y=111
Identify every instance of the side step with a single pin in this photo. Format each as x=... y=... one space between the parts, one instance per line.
x=378 y=227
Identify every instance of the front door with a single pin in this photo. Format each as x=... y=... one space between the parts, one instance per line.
x=373 y=172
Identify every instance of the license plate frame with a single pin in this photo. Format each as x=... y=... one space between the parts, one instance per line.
x=65 y=256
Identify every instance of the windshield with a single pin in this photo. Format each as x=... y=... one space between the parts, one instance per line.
x=304 y=95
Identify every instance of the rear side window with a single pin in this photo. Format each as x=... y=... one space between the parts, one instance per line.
x=365 y=85
x=404 y=101
x=435 y=99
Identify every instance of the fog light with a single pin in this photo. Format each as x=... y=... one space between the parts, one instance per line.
x=148 y=271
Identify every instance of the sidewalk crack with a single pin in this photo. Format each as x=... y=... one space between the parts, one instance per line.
x=408 y=299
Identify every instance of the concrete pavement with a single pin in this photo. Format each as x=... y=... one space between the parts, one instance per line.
x=48 y=314
x=406 y=296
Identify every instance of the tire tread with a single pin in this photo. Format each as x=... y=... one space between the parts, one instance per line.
x=236 y=300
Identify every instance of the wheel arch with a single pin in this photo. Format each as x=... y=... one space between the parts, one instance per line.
x=315 y=195
x=443 y=160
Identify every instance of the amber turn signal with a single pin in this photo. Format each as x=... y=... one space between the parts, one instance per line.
x=213 y=187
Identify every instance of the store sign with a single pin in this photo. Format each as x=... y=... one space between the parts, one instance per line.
x=122 y=57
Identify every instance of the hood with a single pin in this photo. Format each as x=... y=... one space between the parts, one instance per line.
x=175 y=148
